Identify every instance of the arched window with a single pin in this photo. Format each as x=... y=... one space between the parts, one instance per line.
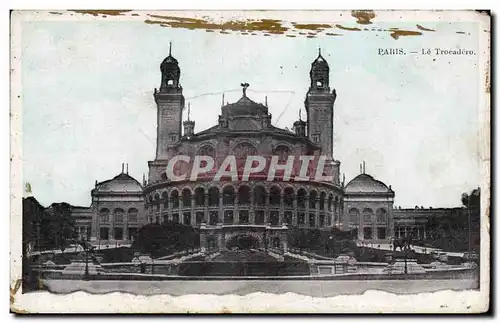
x=164 y=198
x=206 y=150
x=275 y=196
x=288 y=197
x=104 y=215
x=322 y=198
x=213 y=196
x=244 y=195
x=228 y=195
x=313 y=196
x=367 y=215
x=199 y=196
x=354 y=215
x=241 y=151
x=381 y=215
x=330 y=202
x=186 y=198
x=174 y=198
x=301 y=198
x=259 y=196
x=282 y=152
x=132 y=215
x=118 y=215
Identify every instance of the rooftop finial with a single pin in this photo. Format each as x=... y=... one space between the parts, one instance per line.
x=170 y=49
x=364 y=167
x=222 y=99
x=319 y=51
x=266 y=100
x=189 y=111
x=127 y=168
x=123 y=164
x=300 y=114
x=245 y=86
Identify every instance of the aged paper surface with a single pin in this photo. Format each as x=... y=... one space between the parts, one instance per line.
x=250 y=161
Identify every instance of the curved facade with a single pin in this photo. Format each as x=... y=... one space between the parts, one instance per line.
x=259 y=210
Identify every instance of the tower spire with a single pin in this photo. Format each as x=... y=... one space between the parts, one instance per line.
x=222 y=99
x=189 y=110
x=266 y=100
x=300 y=114
x=319 y=51
x=170 y=49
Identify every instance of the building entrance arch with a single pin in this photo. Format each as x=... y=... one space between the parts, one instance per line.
x=243 y=242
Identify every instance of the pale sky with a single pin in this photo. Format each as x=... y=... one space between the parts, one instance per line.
x=87 y=97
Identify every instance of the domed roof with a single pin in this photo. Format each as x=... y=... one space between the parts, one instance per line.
x=244 y=106
x=365 y=183
x=122 y=183
x=169 y=60
x=320 y=62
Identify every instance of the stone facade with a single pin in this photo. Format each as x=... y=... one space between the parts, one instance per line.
x=257 y=209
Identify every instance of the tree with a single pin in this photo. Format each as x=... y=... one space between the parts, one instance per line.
x=161 y=239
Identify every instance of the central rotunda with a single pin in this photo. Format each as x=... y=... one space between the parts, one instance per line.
x=257 y=212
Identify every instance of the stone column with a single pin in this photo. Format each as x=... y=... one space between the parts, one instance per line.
x=236 y=210
x=316 y=216
x=206 y=216
x=307 y=211
x=221 y=212
x=281 y=210
x=193 y=213
x=125 y=224
x=294 y=211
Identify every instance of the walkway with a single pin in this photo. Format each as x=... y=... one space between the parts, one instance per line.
x=418 y=249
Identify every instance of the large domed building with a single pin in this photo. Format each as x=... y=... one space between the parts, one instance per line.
x=257 y=210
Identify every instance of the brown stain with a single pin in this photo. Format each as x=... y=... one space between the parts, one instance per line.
x=135 y=14
x=397 y=33
x=270 y=26
x=13 y=290
x=96 y=13
x=363 y=17
x=424 y=29
x=314 y=27
x=347 y=28
x=292 y=36
x=55 y=13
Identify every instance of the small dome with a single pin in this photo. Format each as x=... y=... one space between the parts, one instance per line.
x=169 y=60
x=244 y=106
x=365 y=183
x=122 y=183
x=320 y=62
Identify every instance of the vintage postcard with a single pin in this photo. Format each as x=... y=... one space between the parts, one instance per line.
x=250 y=161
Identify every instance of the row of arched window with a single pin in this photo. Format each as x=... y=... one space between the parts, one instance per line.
x=367 y=215
x=243 y=196
x=118 y=215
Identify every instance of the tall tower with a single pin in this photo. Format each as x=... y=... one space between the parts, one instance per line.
x=319 y=106
x=170 y=103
